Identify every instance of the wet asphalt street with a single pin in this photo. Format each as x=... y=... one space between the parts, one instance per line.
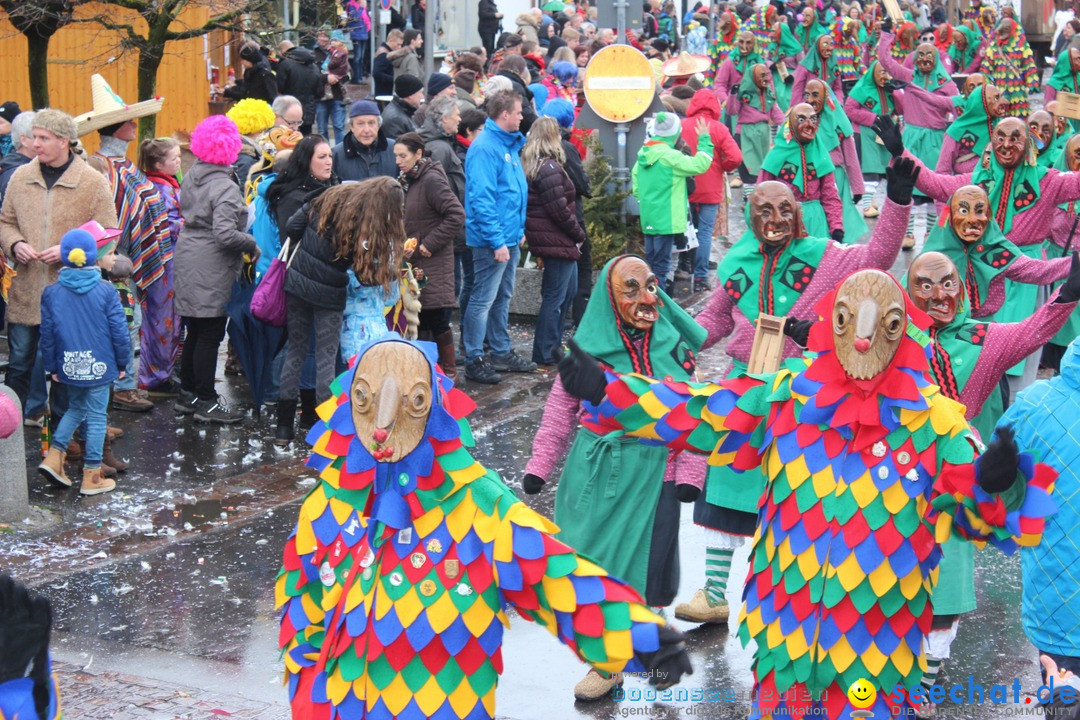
x=168 y=581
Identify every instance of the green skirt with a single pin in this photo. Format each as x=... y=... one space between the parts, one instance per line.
x=783 y=92
x=754 y=140
x=875 y=158
x=854 y=224
x=606 y=502
x=924 y=144
x=814 y=219
x=1021 y=300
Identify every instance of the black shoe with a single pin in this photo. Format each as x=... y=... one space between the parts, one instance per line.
x=479 y=371
x=511 y=362
x=168 y=389
x=670 y=289
x=701 y=285
x=286 y=418
x=185 y=403
x=712 y=265
x=216 y=411
x=308 y=416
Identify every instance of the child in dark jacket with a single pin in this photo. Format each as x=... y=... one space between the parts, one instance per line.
x=85 y=345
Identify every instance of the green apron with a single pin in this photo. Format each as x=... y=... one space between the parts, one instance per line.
x=924 y=144
x=783 y=91
x=755 y=140
x=814 y=219
x=854 y=224
x=875 y=158
x=1020 y=303
x=611 y=481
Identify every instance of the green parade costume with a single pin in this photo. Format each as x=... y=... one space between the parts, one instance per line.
x=788 y=47
x=875 y=158
x=755 y=139
x=978 y=263
x=835 y=126
x=791 y=162
x=973 y=128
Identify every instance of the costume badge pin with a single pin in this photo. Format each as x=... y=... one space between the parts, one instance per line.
x=903 y=457
x=463 y=590
x=879 y=449
x=369 y=557
x=434 y=546
x=326 y=574
x=428 y=588
x=417 y=559
x=404 y=537
x=453 y=568
x=396 y=579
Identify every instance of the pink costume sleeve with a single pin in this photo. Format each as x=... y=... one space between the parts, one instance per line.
x=724 y=80
x=802 y=76
x=949 y=150
x=946 y=61
x=1007 y=344
x=716 y=318
x=859 y=114
x=830 y=201
x=776 y=115
x=851 y=164
x=684 y=468
x=1060 y=187
x=1038 y=272
x=882 y=249
x=939 y=186
x=837 y=86
x=552 y=441
x=887 y=61
x=973 y=66
x=940 y=100
x=1049 y=93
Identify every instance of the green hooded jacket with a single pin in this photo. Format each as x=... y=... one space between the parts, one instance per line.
x=659 y=182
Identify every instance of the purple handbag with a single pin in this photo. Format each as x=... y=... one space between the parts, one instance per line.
x=268 y=301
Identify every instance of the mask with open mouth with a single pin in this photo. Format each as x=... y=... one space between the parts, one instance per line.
x=925 y=57
x=636 y=291
x=969 y=213
x=775 y=216
x=1010 y=140
x=934 y=287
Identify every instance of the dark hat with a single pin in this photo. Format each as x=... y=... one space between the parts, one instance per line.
x=465 y=79
x=438 y=82
x=363 y=107
x=251 y=53
x=9 y=110
x=406 y=85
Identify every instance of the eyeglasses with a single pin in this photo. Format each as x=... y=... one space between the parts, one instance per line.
x=292 y=124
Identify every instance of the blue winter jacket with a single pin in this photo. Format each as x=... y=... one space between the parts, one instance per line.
x=84 y=337
x=496 y=192
x=1046 y=418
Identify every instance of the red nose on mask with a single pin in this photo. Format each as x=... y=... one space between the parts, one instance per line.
x=862 y=344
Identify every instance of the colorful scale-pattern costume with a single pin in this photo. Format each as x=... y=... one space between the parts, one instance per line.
x=859 y=495
x=719 y=50
x=397 y=578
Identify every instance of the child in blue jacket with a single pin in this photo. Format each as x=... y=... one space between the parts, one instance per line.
x=85 y=345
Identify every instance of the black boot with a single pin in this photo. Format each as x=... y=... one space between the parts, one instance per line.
x=286 y=415
x=308 y=417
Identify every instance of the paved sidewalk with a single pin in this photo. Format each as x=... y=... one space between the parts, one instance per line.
x=91 y=695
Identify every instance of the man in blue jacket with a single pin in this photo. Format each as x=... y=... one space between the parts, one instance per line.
x=1046 y=418
x=495 y=199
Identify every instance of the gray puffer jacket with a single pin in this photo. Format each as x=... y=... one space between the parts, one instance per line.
x=209 y=252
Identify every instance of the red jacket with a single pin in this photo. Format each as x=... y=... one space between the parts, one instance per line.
x=709 y=186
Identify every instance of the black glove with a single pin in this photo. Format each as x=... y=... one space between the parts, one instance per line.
x=1070 y=289
x=856 y=198
x=837 y=235
x=670 y=662
x=889 y=133
x=996 y=469
x=894 y=84
x=790 y=79
x=887 y=24
x=582 y=376
x=798 y=330
x=532 y=483
x=687 y=493
x=900 y=179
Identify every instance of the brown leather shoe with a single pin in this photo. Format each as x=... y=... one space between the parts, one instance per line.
x=113 y=433
x=75 y=450
x=94 y=483
x=110 y=459
x=131 y=401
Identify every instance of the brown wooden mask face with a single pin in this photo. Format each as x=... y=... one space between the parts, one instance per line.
x=775 y=217
x=934 y=287
x=969 y=213
x=869 y=319
x=391 y=397
x=636 y=292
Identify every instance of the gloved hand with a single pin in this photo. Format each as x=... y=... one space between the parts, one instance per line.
x=532 y=483
x=837 y=235
x=670 y=662
x=856 y=198
x=900 y=179
x=1070 y=289
x=889 y=133
x=798 y=330
x=687 y=493
x=996 y=469
x=894 y=85
x=680 y=242
x=887 y=24
x=582 y=376
x=790 y=79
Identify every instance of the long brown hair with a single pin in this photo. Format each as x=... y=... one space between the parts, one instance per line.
x=365 y=221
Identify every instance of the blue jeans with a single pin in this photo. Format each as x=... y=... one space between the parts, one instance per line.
x=704 y=217
x=558 y=287
x=38 y=399
x=658 y=255
x=90 y=404
x=23 y=357
x=131 y=380
x=334 y=112
x=488 y=313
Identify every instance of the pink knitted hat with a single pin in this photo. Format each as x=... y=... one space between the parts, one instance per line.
x=216 y=140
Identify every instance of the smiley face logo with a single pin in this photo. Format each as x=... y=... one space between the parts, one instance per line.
x=862 y=694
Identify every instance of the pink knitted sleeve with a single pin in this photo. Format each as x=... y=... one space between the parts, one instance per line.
x=716 y=318
x=552 y=441
x=830 y=201
x=939 y=186
x=887 y=61
x=686 y=469
x=851 y=164
x=1038 y=272
x=1061 y=187
x=859 y=114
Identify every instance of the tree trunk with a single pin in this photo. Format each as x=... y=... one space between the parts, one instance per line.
x=149 y=62
x=37 y=56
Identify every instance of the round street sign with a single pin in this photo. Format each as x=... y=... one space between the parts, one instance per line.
x=619 y=83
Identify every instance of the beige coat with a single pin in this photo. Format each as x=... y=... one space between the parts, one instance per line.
x=40 y=217
x=528 y=27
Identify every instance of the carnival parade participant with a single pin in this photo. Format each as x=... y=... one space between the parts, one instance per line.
x=837 y=136
x=874 y=94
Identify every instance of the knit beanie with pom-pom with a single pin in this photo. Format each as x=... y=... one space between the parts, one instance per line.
x=216 y=140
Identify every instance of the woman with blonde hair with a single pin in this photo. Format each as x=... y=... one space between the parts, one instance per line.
x=357 y=227
x=552 y=232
